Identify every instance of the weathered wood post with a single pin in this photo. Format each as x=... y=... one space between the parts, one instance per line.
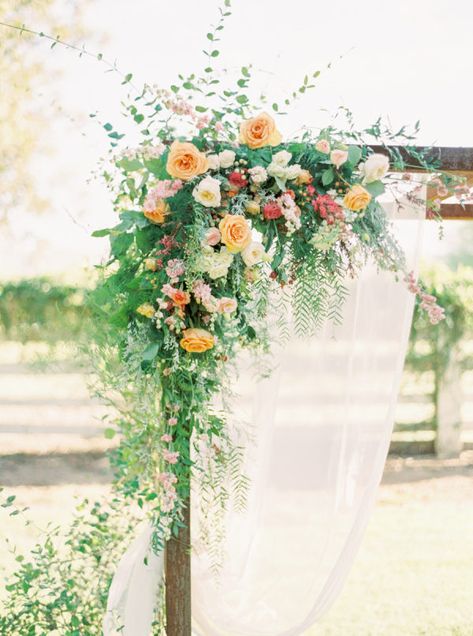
x=449 y=399
x=178 y=581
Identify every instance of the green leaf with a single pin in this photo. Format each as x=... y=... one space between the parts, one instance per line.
x=242 y=99
x=120 y=244
x=215 y=53
x=245 y=71
x=109 y=433
x=129 y=165
x=151 y=352
x=376 y=188
x=354 y=155
x=108 y=126
x=275 y=107
x=101 y=233
x=327 y=176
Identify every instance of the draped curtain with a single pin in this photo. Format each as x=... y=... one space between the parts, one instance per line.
x=321 y=425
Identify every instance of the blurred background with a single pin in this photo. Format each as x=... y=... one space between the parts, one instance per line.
x=405 y=61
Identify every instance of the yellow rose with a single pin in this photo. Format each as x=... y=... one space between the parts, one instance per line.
x=357 y=198
x=235 y=231
x=186 y=161
x=260 y=131
x=252 y=207
x=159 y=213
x=146 y=310
x=197 y=340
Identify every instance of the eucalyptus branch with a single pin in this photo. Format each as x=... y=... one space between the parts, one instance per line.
x=56 y=40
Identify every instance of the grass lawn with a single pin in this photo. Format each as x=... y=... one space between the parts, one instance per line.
x=414 y=572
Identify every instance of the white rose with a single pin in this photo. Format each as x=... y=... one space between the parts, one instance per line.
x=226 y=158
x=207 y=192
x=338 y=157
x=282 y=158
x=214 y=162
x=253 y=254
x=258 y=174
x=375 y=168
x=276 y=170
x=219 y=263
x=292 y=172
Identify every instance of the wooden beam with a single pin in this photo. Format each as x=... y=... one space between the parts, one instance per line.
x=450 y=159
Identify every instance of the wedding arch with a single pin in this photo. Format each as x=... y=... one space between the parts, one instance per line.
x=237 y=250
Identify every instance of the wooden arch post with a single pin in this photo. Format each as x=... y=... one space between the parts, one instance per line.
x=178 y=559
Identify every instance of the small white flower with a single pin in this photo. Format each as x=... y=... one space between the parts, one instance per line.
x=253 y=254
x=282 y=158
x=214 y=162
x=292 y=172
x=258 y=174
x=277 y=170
x=375 y=168
x=207 y=192
x=226 y=158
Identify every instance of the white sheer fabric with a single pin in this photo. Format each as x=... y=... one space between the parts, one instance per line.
x=322 y=424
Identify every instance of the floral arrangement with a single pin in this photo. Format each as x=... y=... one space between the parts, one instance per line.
x=221 y=220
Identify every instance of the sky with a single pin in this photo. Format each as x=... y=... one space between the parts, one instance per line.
x=406 y=61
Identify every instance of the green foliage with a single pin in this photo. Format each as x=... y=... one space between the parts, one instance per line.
x=431 y=346
x=61 y=586
x=40 y=309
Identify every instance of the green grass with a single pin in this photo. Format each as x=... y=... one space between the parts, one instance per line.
x=414 y=572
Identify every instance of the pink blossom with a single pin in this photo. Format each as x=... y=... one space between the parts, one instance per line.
x=170 y=457
x=212 y=236
x=174 y=269
x=219 y=126
x=172 y=421
x=202 y=292
x=166 y=438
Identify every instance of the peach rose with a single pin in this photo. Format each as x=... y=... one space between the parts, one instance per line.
x=186 y=161
x=235 y=231
x=197 y=340
x=304 y=178
x=226 y=305
x=357 y=198
x=159 y=213
x=260 y=131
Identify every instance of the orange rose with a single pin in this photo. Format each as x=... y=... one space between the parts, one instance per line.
x=260 y=131
x=235 y=231
x=357 y=198
x=186 y=161
x=197 y=340
x=180 y=298
x=158 y=214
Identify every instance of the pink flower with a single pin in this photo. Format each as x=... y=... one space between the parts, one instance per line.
x=175 y=268
x=272 y=211
x=166 y=438
x=323 y=146
x=226 y=305
x=219 y=126
x=338 y=157
x=212 y=236
x=237 y=179
x=328 y=208
x=202 y=292
x=172 y=421
x=170 y=457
